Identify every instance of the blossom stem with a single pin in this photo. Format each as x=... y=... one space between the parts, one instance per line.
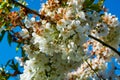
x=103 y=43
x=28 y=9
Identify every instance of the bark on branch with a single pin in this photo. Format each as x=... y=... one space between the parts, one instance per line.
x=104 y=44
x=36 y=13
x=28 y=9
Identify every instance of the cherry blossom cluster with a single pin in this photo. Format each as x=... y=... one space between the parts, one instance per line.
x=58 y=46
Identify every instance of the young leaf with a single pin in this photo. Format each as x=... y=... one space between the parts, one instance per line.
x=3 y=5
x=23 y=53
x=13 y=65
x=88 y=3
x=100 y=3
x=95 y=7
x=7 y=63
x=18 y=46
x=2 y=35
x=9 y=38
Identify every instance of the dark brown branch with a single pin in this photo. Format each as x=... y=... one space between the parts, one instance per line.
x=28 y=9
x=103 y=43
x=100 y=77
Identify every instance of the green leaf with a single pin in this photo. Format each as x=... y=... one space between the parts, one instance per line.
x=3 y=5
x=13 y=65
x=100 y=3
x=9 y=38
x=88 y=3
x=2 y=35
x=16 y=65
x=7 y=63
x=23 y=53
x=95 y=7
x=3 y=24
x=18 y=46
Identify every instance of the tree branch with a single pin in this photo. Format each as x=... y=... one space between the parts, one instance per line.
x=28 y=9
x=100 y=77
x=103 y=43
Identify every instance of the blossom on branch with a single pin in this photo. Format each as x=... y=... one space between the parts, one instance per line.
x=58 y=45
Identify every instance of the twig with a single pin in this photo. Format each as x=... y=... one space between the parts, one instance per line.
x=103 y=43
x=100 y=77
x=34 y=12
x=28 y=9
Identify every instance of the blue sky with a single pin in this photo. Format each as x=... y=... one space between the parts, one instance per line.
x=8 y=52
x=113 y=7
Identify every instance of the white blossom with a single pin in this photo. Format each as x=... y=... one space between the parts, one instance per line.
x=24 y=33
x=59 y=48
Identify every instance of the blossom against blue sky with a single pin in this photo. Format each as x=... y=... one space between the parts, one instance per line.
x=8 y=52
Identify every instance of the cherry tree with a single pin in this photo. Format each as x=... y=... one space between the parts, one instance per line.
x=72 y=40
